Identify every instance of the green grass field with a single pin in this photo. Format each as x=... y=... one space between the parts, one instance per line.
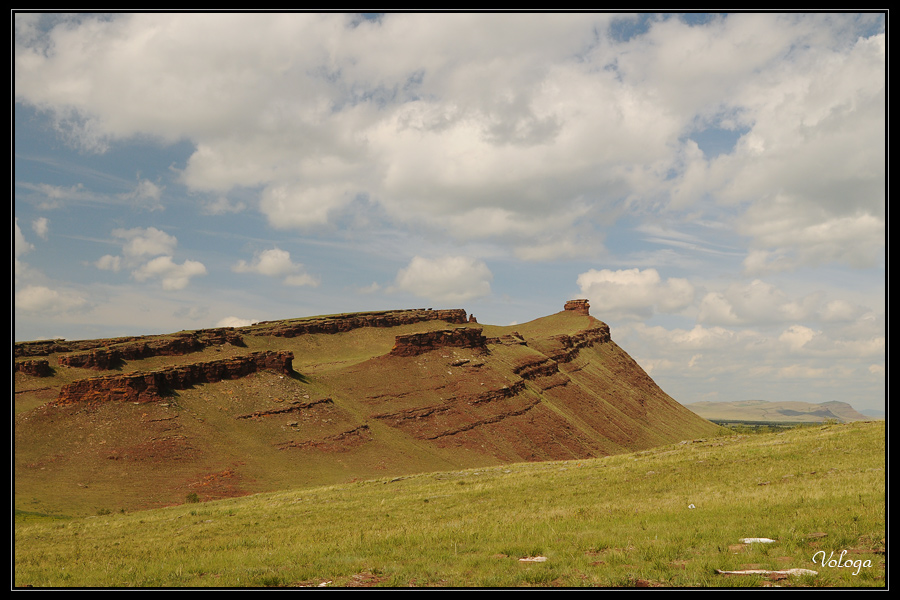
x=671 y=517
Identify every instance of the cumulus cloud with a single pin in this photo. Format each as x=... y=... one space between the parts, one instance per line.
x=172 y=275
x=797 y=336
x=277 y=263
x=41 y=226
x=633 y=293
x=492 y=125
x=138 y=245
x=146 y=194
x=41 y=299
x=303 y=206
x=139 y=242
x=20 y=244
x=108 y=262
x=221 y=205
x=761 y=303
x=449 y=279
x=235 y=322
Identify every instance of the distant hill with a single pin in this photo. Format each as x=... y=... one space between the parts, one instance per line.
x=873 y=414
x=150 y=421
x=785 y=412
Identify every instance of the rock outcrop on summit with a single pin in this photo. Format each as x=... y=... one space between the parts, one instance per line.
x=579 y=307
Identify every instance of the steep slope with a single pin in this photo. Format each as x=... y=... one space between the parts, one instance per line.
x=323 y=400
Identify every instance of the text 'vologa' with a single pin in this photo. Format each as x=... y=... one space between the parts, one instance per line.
x=840 y=562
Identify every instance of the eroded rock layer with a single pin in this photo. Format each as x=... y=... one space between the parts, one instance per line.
x=151 y=386
x=414 y=344
x=344 y=323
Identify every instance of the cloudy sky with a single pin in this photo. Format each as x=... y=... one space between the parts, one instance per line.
x=715 y=185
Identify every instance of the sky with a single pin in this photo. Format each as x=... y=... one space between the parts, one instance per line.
x=714 y=184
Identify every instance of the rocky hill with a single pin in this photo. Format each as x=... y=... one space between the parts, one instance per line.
x=142 y=422
x=783 y=412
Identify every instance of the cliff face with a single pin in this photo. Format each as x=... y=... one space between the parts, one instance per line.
x=35 y=368
x=418 y=343
x=132 y=348
x=579 y=307
x=344 y=323
x=149 y=387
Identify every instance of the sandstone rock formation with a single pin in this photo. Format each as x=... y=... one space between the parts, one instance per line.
x=580 y=307
x=418 y=343
x=343 y=323
x=151 y=386
x=36 y=368
x=94 y=353
x=567 y=346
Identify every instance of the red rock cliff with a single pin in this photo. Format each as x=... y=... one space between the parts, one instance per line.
x=418 y=343
x=342 y=323
x=150 y=386
x=580 y=307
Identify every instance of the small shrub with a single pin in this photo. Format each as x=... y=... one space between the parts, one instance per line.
x=193 y=498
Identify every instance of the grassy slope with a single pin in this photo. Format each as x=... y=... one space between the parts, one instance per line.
x=81 y=460
x=667 y=516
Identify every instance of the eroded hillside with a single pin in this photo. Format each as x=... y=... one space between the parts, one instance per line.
x=145 y=422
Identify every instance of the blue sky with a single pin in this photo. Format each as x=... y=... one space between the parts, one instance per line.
x=714 y=184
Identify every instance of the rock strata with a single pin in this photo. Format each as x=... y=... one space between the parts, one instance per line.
x=343 y=323
x=567 y=346
x=135 y=347
x=418 y=343
x=151 y=386
x=36 y=368
x=579 y=307
x=104 y=358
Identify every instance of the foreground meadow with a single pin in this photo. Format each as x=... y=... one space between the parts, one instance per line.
x=672 y=516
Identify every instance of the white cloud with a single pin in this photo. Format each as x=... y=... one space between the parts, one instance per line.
x=146 y=194
x=303 y=206
x=41 y=226
x=634 y=294
x=841 y=310
x=108 y=262
x=20 y=245
x=172 y=275
x=41 y=299
x=494 y=126
x=235 y=322
x=139 y=242
x=790 y=234
x=221 y=205
x=277 y=263
x=755 y=302
x=449 y=279
x=797 y=336
x=369 y=289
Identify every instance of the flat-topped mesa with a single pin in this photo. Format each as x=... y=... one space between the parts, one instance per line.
x=579 y=307
x=414 y=344
x=348 y=322
x=153 y=385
